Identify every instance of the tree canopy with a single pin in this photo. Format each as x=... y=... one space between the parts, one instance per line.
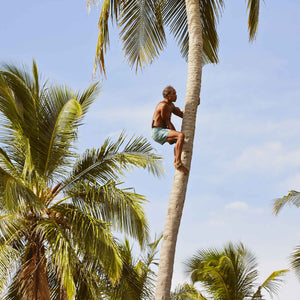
x=58 y=208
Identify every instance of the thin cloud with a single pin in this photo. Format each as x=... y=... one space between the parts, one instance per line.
x=270 y=158
x=238 y=205
x=241 y=206
x=291 y=183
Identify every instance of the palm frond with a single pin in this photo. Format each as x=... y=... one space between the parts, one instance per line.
x=186 y=291
x=142 y=33
x=174 y=14
x=253 y=9
x=147 y=275
x=195 y=264
x=109 y=162
x=88 y=96
x=62 y=254
x=22 y=91
x=61 y=113
x=39 y=124
x=137 y=278
x=12 y=290
x=293 y=198
x=8 y=257
x=20 y=198
x=90 y=234
x=129 y=285
x=63 y=135
x=88 y=283
x=12 y=229
x=295 y=261
x=11 y=116
x=7 y=167
x=110 y=8
x=240 y=269
x=271 y=284
x=36 y=80
x=122 y=208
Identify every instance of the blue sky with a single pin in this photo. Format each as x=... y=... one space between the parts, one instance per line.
x=247 y=149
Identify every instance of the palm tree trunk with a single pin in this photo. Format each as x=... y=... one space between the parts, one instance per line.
x=34 y=280
x=179 y=187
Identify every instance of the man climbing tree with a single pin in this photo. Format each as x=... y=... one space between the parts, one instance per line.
x=162 y=128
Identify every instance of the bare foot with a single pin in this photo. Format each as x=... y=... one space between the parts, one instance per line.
x=181 y=168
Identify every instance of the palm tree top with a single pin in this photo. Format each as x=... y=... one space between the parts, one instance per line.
x=59 y=207
x=231 y=273
x=143 y=28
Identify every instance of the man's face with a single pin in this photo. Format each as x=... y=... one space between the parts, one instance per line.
x=172 y=96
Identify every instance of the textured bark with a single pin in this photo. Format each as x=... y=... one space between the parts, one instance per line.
x=179 y=187
x=34 y=280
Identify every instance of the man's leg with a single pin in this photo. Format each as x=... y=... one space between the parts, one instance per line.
x=178 y=137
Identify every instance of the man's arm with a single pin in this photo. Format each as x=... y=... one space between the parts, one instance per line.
x=178 y=112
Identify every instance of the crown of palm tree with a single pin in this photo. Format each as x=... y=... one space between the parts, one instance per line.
x=231 y=273
x=143 y=25
x=58 y=208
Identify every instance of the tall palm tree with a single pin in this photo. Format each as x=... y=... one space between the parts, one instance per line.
x=193 y=24
x=293 y=198
x=231 y=274
x=57 y=207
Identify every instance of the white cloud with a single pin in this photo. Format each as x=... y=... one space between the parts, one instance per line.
x=291 y=183
x=217 y=223
x=228 y=121
x=243 y=207
x=238 y=205
x=270 y=157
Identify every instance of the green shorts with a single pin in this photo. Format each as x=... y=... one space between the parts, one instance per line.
x=160 y=134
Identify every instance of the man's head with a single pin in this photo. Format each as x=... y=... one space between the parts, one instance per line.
x=169 y=93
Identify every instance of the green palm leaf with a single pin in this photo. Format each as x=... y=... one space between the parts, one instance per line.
x=90 y=234
x=295 y=261
x=271 y=284
x=253 y=9
x=186 y=292
x=64 y=133
x=61 y=115
x=121 y=208
x=293 y=198
x=110 y=8
x=63 y=255
x=12 y=230
x=7 y=170
x=40 y=125
x=18 y=198
x=174 y=14
x=8 y=257
x=142 y=34
x=137 y=278
x=109 y=162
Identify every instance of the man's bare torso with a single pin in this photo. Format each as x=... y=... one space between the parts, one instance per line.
x=162 y=114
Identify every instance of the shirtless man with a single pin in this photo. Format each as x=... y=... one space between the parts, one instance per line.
x=162 y=128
